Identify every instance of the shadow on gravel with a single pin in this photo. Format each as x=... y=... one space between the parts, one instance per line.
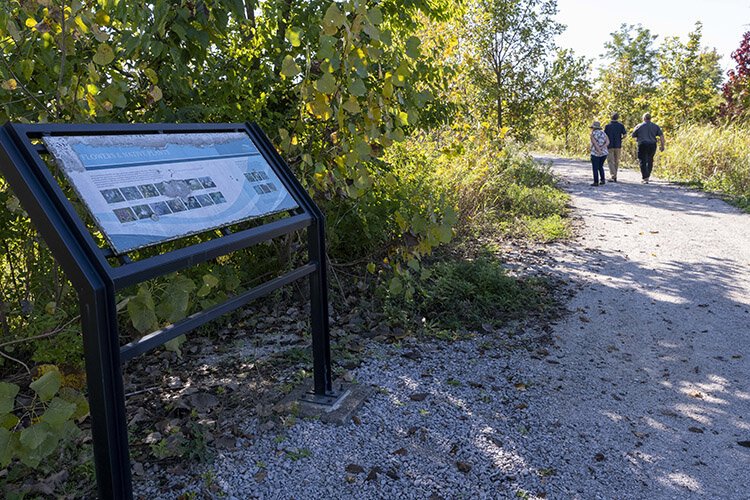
x=653 y=195
x=680 y=344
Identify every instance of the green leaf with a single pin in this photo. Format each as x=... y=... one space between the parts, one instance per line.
x=210 y=280
x=14 y=31
x=375 y=15
x=326 y=84
x=7 y=397
x=293 y=35
x=395 y=286
x=6 y=450
x=9 y=421
x=446 y=233
x=33 y=436
x=27 y=68
x=151 y=75
x=333 y=19
x=326 y=47
x=351 y=105
x=175 y=344
x=289 y=67
x=357 y=87
x=141 y=310
x=79 y=400
x=47 y=385
x=176 y=298
x=104 y=55
x=412 y=47
x=58 y=412
x=372 y=31
x=45 y=441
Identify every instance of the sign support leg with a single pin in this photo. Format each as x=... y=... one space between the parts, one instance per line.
x=321 y=342
x=106 y=394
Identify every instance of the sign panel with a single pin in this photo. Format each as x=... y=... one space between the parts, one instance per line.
x=148 y=189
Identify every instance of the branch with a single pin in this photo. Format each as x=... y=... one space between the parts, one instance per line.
x=40 y=336
x=18 y=82
x=11 y=358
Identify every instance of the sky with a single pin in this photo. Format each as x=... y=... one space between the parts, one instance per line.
x=589 y=23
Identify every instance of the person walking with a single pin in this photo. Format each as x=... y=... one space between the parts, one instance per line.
x=599 y=143
x=615 y=131
x=645 y=133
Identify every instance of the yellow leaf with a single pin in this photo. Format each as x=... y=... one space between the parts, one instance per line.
x=10 y=84
x=102 y=18
x=155 y=93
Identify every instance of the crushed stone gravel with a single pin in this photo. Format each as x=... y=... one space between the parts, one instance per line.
x=643 y=393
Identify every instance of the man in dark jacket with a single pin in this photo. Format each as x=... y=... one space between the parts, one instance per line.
x=646 y=133
x=615 y=131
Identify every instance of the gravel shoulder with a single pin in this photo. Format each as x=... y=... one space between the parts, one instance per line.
x=641 y=391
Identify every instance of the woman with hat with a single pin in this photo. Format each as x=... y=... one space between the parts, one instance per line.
x=599 y=143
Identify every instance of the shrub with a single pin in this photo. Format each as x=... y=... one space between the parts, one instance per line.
x=715 y=157
x=468 y=294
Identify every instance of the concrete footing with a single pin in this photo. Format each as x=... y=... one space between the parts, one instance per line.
x=337 y=408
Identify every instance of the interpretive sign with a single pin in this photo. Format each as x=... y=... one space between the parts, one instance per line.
x=147 y=189
x=145 y=184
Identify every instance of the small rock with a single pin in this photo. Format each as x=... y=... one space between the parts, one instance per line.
x=401 y=451
x=746 y=444
x=599 y=457
x=419 y=396
x=697 y=430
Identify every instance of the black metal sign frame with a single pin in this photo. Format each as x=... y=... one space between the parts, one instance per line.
x=96 y=281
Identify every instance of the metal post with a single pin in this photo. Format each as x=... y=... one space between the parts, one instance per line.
x=106 y=393
x=321 y=341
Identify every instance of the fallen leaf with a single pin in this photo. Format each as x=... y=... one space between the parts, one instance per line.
x=463 y=467
x=355 y=469
x=373 y=474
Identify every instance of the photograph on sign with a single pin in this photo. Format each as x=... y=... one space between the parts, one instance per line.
x=148 y=189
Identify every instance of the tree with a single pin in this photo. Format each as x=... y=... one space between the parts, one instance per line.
x=736 y=90
x=510 y=41
x=627 y=83
x=568 y=95
x=689 y=90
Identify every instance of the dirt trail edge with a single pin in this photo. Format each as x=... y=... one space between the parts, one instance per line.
x=655 y=362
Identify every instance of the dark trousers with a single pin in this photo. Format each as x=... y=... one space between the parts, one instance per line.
x=597 y=163
x=646 y=152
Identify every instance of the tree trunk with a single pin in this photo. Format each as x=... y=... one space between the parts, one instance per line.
x=250 y=12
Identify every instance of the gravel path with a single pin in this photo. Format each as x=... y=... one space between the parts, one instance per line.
x=644 y=394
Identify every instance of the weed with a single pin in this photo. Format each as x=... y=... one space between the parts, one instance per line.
x=299 y=454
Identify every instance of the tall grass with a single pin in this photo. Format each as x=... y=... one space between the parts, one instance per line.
x=715 y=157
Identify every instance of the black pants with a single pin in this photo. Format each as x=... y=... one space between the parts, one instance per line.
x=646 y=152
